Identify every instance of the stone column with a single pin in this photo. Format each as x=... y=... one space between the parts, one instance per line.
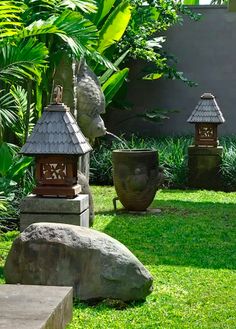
x=204 y=167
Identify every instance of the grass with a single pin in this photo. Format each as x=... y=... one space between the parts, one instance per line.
x=190 y=249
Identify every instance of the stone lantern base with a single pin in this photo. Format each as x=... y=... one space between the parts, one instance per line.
x=36 y=209
x=204 y=167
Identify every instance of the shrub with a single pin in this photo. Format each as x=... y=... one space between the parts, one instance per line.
x=228 y=168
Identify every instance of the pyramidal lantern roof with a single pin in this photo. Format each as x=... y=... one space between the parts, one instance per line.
x=56 y=132
x=207 y=111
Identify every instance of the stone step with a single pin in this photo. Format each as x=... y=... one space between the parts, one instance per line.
x=35 y=307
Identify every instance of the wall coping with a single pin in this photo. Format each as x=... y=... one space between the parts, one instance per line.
x=207 y=6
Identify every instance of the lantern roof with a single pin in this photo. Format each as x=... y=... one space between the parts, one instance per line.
x=207 y=111
x=56 y=132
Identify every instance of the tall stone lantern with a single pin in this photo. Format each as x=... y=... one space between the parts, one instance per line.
x=56 y=143
x=204 y=157
x=206 y=117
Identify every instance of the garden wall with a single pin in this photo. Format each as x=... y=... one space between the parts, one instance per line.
x=206 y=52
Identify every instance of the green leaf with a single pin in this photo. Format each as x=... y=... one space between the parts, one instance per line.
x=115 y=26
x=24 y=60
x=78 y=32
x=105 y=7
x=191 y=2
x=7 y=114
x=153 y=76
x=18 y=168
x=6 y=159
x=109 y=72
x=113 y=84
x=25 y=120
x=3 y=204
x=88 y=6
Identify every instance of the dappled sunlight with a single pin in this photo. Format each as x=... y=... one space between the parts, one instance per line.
x=197 y=196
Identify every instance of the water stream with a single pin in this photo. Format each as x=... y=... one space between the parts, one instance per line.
x=118 y=138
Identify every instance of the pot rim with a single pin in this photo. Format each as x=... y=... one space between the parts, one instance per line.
x=134 y=151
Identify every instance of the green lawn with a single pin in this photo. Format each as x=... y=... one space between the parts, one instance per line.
x=190 y=249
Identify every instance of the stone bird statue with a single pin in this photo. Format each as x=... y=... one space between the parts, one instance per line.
x=90 y=101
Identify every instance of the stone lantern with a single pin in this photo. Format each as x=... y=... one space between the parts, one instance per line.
x=206 y=117
x=205 y=156
x=56 y=143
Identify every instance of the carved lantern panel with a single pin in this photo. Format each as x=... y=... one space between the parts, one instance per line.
x=56 y=175
x=206 y=134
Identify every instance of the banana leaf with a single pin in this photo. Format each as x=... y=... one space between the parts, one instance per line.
x=18 y=168
x=191 y=2
x=113 y=84
x=6 y=158
x=115 y=26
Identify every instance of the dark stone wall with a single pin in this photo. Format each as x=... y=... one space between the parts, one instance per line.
x=206 y=52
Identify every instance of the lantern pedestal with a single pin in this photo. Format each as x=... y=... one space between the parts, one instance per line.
x=36 y=209
x=65 y=191
x=204 y=167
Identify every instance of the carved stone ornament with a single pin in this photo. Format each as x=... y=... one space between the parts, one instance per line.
x=90 y=102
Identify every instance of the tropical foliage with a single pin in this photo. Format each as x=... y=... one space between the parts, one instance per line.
x=144 y=36
x=143 y=40
x=34 y=35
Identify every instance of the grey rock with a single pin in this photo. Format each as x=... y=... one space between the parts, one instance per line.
x=96 y=265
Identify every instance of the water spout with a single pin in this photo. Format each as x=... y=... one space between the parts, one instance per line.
x=118 y=138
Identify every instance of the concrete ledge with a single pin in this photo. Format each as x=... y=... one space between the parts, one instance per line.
x=34 y=204
x=72 y=219
x=35 y=307
x=194 y=150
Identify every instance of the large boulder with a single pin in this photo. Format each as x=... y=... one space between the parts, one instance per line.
x=96 y=265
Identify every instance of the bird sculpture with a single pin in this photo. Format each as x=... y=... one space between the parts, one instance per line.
x=90 y=101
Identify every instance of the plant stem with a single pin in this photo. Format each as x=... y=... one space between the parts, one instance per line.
x=27 y=117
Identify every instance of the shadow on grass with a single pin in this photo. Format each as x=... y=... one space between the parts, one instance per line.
x=108 y=303
x=198 y=234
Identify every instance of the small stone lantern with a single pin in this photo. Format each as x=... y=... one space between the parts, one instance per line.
x=206 y=117
x=56 y=142
x=205 y=156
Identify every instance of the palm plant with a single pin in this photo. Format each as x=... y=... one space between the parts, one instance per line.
x=111 y=23
x=32 y=36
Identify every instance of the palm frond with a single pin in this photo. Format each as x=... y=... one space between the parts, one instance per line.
x=76 y=31
x=23 y=60
x=20 y=97
x=76 y=26
x=88 y=6
x=7 y=114
x=44 y=9
x=40 y=9
x=10 y=18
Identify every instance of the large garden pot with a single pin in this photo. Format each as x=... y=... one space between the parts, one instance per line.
x=136 y=177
